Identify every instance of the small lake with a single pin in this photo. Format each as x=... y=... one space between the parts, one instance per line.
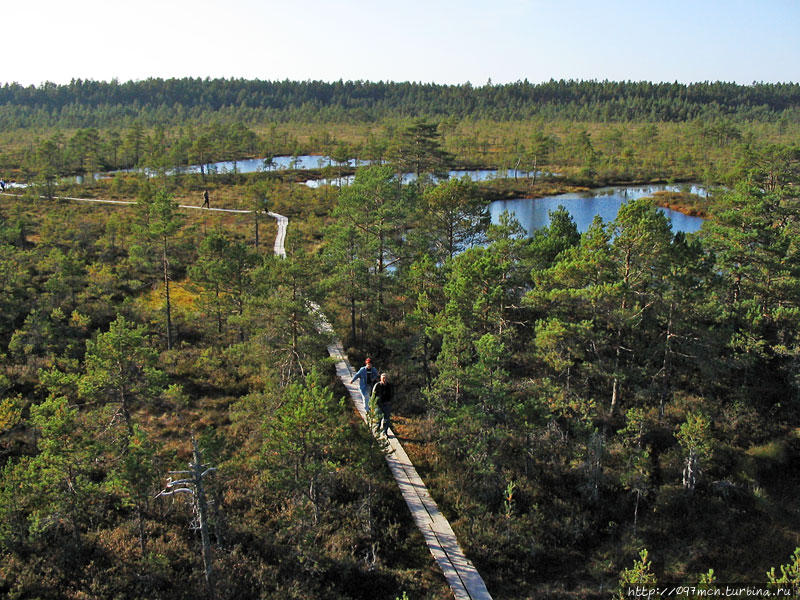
x=248 y=165
x=254 y=165
x=473 y=174
x=583 y=206
x=309 y=162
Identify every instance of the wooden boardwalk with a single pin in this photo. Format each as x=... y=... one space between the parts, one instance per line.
x=130 y=202
x=280 y=238
x=461 y=575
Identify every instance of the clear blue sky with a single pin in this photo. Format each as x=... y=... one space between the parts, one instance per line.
x=412 y=40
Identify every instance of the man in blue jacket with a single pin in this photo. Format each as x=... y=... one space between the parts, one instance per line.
x=368 y=377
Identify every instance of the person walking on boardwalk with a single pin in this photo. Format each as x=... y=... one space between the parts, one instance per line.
x=382 y=394
x=206 y=203
x=367 y=377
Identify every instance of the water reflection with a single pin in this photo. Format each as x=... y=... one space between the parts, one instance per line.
x=308 y=163
x=248 y=165
x=473 y=174
x=584 y=206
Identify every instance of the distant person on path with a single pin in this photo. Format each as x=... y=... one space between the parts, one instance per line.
x=382 y=394
x=206 y=203
x=367 y=376
x=2 y=185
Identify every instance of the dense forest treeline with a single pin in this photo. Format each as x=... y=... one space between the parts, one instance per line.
x=701 y=132
x=87 y=103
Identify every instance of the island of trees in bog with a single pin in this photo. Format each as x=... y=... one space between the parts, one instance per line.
x=588 y=409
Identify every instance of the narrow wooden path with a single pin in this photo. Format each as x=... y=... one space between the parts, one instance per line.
x=461 y=575
x=130 y=202
x=280 y=239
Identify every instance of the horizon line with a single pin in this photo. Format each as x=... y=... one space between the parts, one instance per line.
x=489 y=83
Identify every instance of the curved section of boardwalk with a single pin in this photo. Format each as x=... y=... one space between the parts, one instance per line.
x=461 y=575
x=280 y=239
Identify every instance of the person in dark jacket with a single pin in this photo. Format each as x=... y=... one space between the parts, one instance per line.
x=206 y=203
x=383 y=393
